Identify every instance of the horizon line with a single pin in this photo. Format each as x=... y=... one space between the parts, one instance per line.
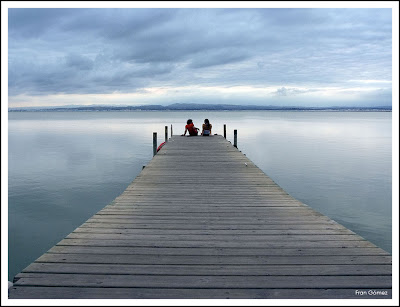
x=195 y=106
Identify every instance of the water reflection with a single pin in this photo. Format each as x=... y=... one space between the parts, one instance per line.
x=64 y=167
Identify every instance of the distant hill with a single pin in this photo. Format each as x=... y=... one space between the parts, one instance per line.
x=192 y=107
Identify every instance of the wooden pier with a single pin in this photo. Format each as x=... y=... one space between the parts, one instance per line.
x=201 y=221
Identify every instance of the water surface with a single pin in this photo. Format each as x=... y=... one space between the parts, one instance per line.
x=66 y=166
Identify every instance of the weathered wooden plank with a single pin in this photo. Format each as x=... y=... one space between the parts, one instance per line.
x=200 y=195
x=217 y=214
x=168 y=181
x=218 y=244
x=201 y=260
x=211 y=218
x=198 y=270
x=210 y=281
x=284 y=218
x=145 y=293
x=223 y=211
x=206 y=226
x=217 y=204
x=230 y=237
x=178 y=232
x=123 y=250
x=223 y=204
x=205 y=211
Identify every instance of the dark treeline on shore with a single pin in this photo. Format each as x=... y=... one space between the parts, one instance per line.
x=193 y=107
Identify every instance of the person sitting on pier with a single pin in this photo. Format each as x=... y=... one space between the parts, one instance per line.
x=206 y=128
x=193 y=131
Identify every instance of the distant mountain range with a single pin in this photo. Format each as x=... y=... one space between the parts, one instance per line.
x=192 y=107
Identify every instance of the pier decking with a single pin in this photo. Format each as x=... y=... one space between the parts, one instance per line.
x=202 y=221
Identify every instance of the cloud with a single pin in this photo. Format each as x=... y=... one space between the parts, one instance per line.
x=105 y=51
x=79 y=62
x=283 y=91
x=221 y=57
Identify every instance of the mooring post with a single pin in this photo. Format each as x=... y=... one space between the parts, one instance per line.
x=235 y=138
x=154 y=143
x=166 y=133
x=224 y=131
x=171 y=130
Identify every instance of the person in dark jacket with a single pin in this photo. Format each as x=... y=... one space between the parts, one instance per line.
x=206 y=128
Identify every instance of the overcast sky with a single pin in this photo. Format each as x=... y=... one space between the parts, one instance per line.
x=127 y=56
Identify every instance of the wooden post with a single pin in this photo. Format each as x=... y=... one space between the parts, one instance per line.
x=154 y=143
x=171 y=130
x=224 y=131
x=166 y=133
x=235 y=138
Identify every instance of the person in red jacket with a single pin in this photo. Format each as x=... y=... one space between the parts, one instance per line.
x=193 y=131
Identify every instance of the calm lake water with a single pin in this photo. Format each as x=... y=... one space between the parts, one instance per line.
x=64 y=167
